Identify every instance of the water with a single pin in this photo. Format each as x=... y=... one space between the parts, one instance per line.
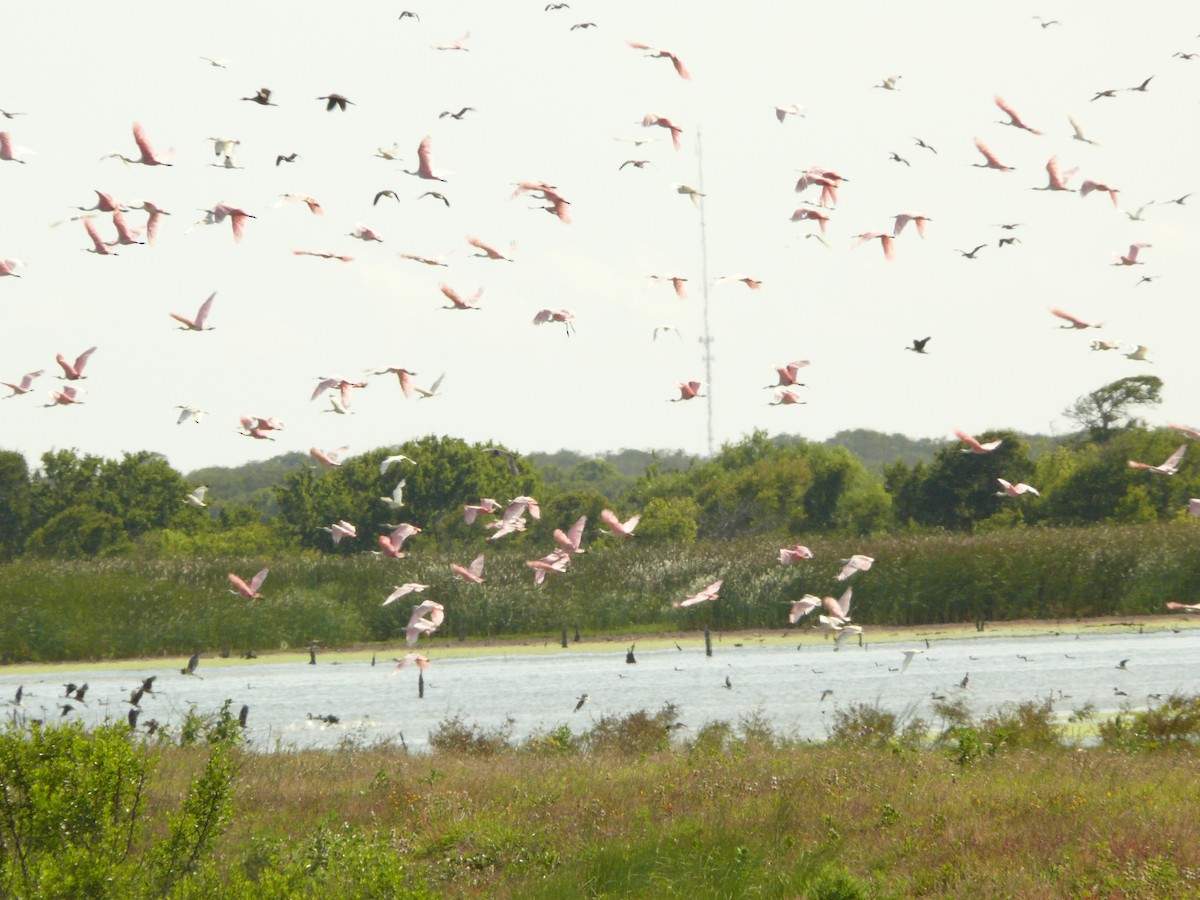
x=783 y=685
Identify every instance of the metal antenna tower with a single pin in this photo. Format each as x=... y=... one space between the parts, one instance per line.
x=706 y=340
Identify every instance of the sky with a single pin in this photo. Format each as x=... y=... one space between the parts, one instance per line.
x=561 y=105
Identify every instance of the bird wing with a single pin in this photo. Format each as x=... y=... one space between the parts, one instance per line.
x=987 y=154
x=139 y=137
x=1062 y=314
x=202 y=315
x=1172 y=461
x=425 y=156
x=476 y=567
x=258 y=579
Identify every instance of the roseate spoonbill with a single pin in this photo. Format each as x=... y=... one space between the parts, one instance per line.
x=782 y=112
x=974 y=446
x=343 y=385
x=196 y=497
x=651 y=119
x=789 y=555
x=427 y=260
x=261 y=424
x=403 y=589
x=337 y=101
x=1131 y=258
x=194 y=413
x=688 y=390
x=802 y=607
x=1168 y=467
x=663 y=54
x=396 y=501
x=908 y=658
x=1186 y=607
x=1013 y=118
x=485 y=507
x=124 y=235
x=789 y=373
x=569 y=541
x=712 y=592
x=153 y=218
x=196 y=324
x=66 y=397
x=518 y=506
x=856 y=563
x=99 y=246
x=1088 y=186
x=324 y=254
x=814 y=215
x=1015 y=490
x=753 y=283
x=825 y=179
x=1079 y=135
x=9 y=152
x=237 y=218
x=839 y=609
x=262 y=97
x=454 y=45
x=419 y=625
x=24 y=387
x=410 y=658
x=787 y=397
x=147 y=158
x=104 y=203
x=677 y=281
x=248 y=590
x=1186 y=430
x=904 y=218
x=886 y=241
x=390 y=544
x=406 y=387
x=472 y=573
x=425 y=161
x=432 y=390
x=363 y=233
x=313 y=205
x=1073 y=322
x=457 y=301
x=328 y=457
x=10 y=266
x=503 y=527
x=555 y=315
x=918 y=345
x=457 y=116
x=1057 y=181
x=74 y=371
x=556 y=562
x=992 y=161
x=291 y=157
x=616 y=527
x=489 y=252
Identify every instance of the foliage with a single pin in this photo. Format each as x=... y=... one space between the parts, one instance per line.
x=1108 y=408
x=14 y=503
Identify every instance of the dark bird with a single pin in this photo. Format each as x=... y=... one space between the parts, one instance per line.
x=132 y=718
x=1004 y=242
x=151 y=726
x=509 y=456
x=971 y=255
x=584 y=25
x=13 y=115
x=921 y=143
x=262 y=98
x=190 y=668
x=1046 y=23
x=1143 y=87
x=828 y=692
x=70 y=686
x=328 y=719
x=677 y=647
x=1112 y=92
x=457 y=115
x=1119 y=693
x=66 y=708
x=336 y=100
x=966 y=680
x=552 y=6
x=1179 y=55
x=408 y=14
x=135 y=697
x=243 y=714
x=918 y=345
x=20 y=693
x=391 y=194
x=583 y=698
x=636 y=163
x=1179 y=200
x=148 y=684
x=289 y=158
x=436 y=196
x=1146 y=278
x=728 y=683
x=1121 y=664
x=896 y=157
x=79 y=692
x=629 y=658
x=312 y=653
x=1010 y=226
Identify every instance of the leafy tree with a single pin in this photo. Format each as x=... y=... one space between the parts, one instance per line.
x=668 y=521
x=1109 y=408
x=79 y=532
x=14 y=503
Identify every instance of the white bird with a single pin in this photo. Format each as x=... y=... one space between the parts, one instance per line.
x=403 y=589
x=709 y=593
x=782 y=112
x=802 y=607
x=196 y=497
x=397 y=499
x=432 y=390
x=1079 y=135
x=616 y=526
x=1168 y=467
x=1015 y=490
x=340 y=529
x=856 y=563
x=908 y=658
x=387 y=463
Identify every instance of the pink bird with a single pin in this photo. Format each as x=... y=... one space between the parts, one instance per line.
x=992 y=161
x=666 y=54
x=472 y=573
x=405 y=377
x=340 y=529
x=1168 y=467
x=328 y=457
x=74 y=371
x=794 y=553
x=409 y=658
x=886 y=241
x=502 y=527
x=8 y=152
x=1073 y=321
x=789 y=374
x=518 y=506
x=425 y=161
x=363 y=233
x=1186 y=607
x=839 y=609
x=688 y=390
x=313 y=205
x=324 y=254
x=343 y=385
x=826 y=179
x=1013 y=118
x=237 y=218
x=651 y=119
x=196 y=324
x=787 y=397
x=153 y=220
x=804 y=213
x=24 y=386
x=569 y=541
x=9 y=267
x=1057 y=180
x=1088 y=186
x=454 y=45
x=677 y=281
x=419 y=625
x=459 y=302
x=616 y=527
x=260 y=428
x=66 y=397
x=1186 y=430
x=1015 y=490
x=489 y=252
x=249 y=591
x=802 y=607
x=904 y=218
x=487 y=506
x=1131 y=258
x=124 y=234
x=709 y=593
x=390 y=544
x=148 y=156
x=753 y=283
x=104 y=203
x=565 y=316
x=856 y=563
x=402 y=590
x=556 y=562
x=98 y=247
x=973 y=446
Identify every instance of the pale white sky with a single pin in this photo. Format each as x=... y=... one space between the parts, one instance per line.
x=550 y=101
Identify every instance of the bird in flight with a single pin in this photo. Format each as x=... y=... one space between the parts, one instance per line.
x=1169 y=466
x=663 y=54
x=918 y=345
x=456 y=115
x=970 y=254
x=337 y=101
x=1073 y=321
x=197 y=323
x=147 y=158
x=262 y=97
x=1013 y=119
x=973 y=445
x=425 y=161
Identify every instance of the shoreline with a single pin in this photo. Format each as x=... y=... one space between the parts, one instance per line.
x=618 y=643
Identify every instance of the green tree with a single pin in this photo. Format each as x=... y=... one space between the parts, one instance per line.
x=1109 y=408
x=14 y=503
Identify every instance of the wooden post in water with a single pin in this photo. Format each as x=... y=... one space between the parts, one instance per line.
x=564 y=637
x=707 y=641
